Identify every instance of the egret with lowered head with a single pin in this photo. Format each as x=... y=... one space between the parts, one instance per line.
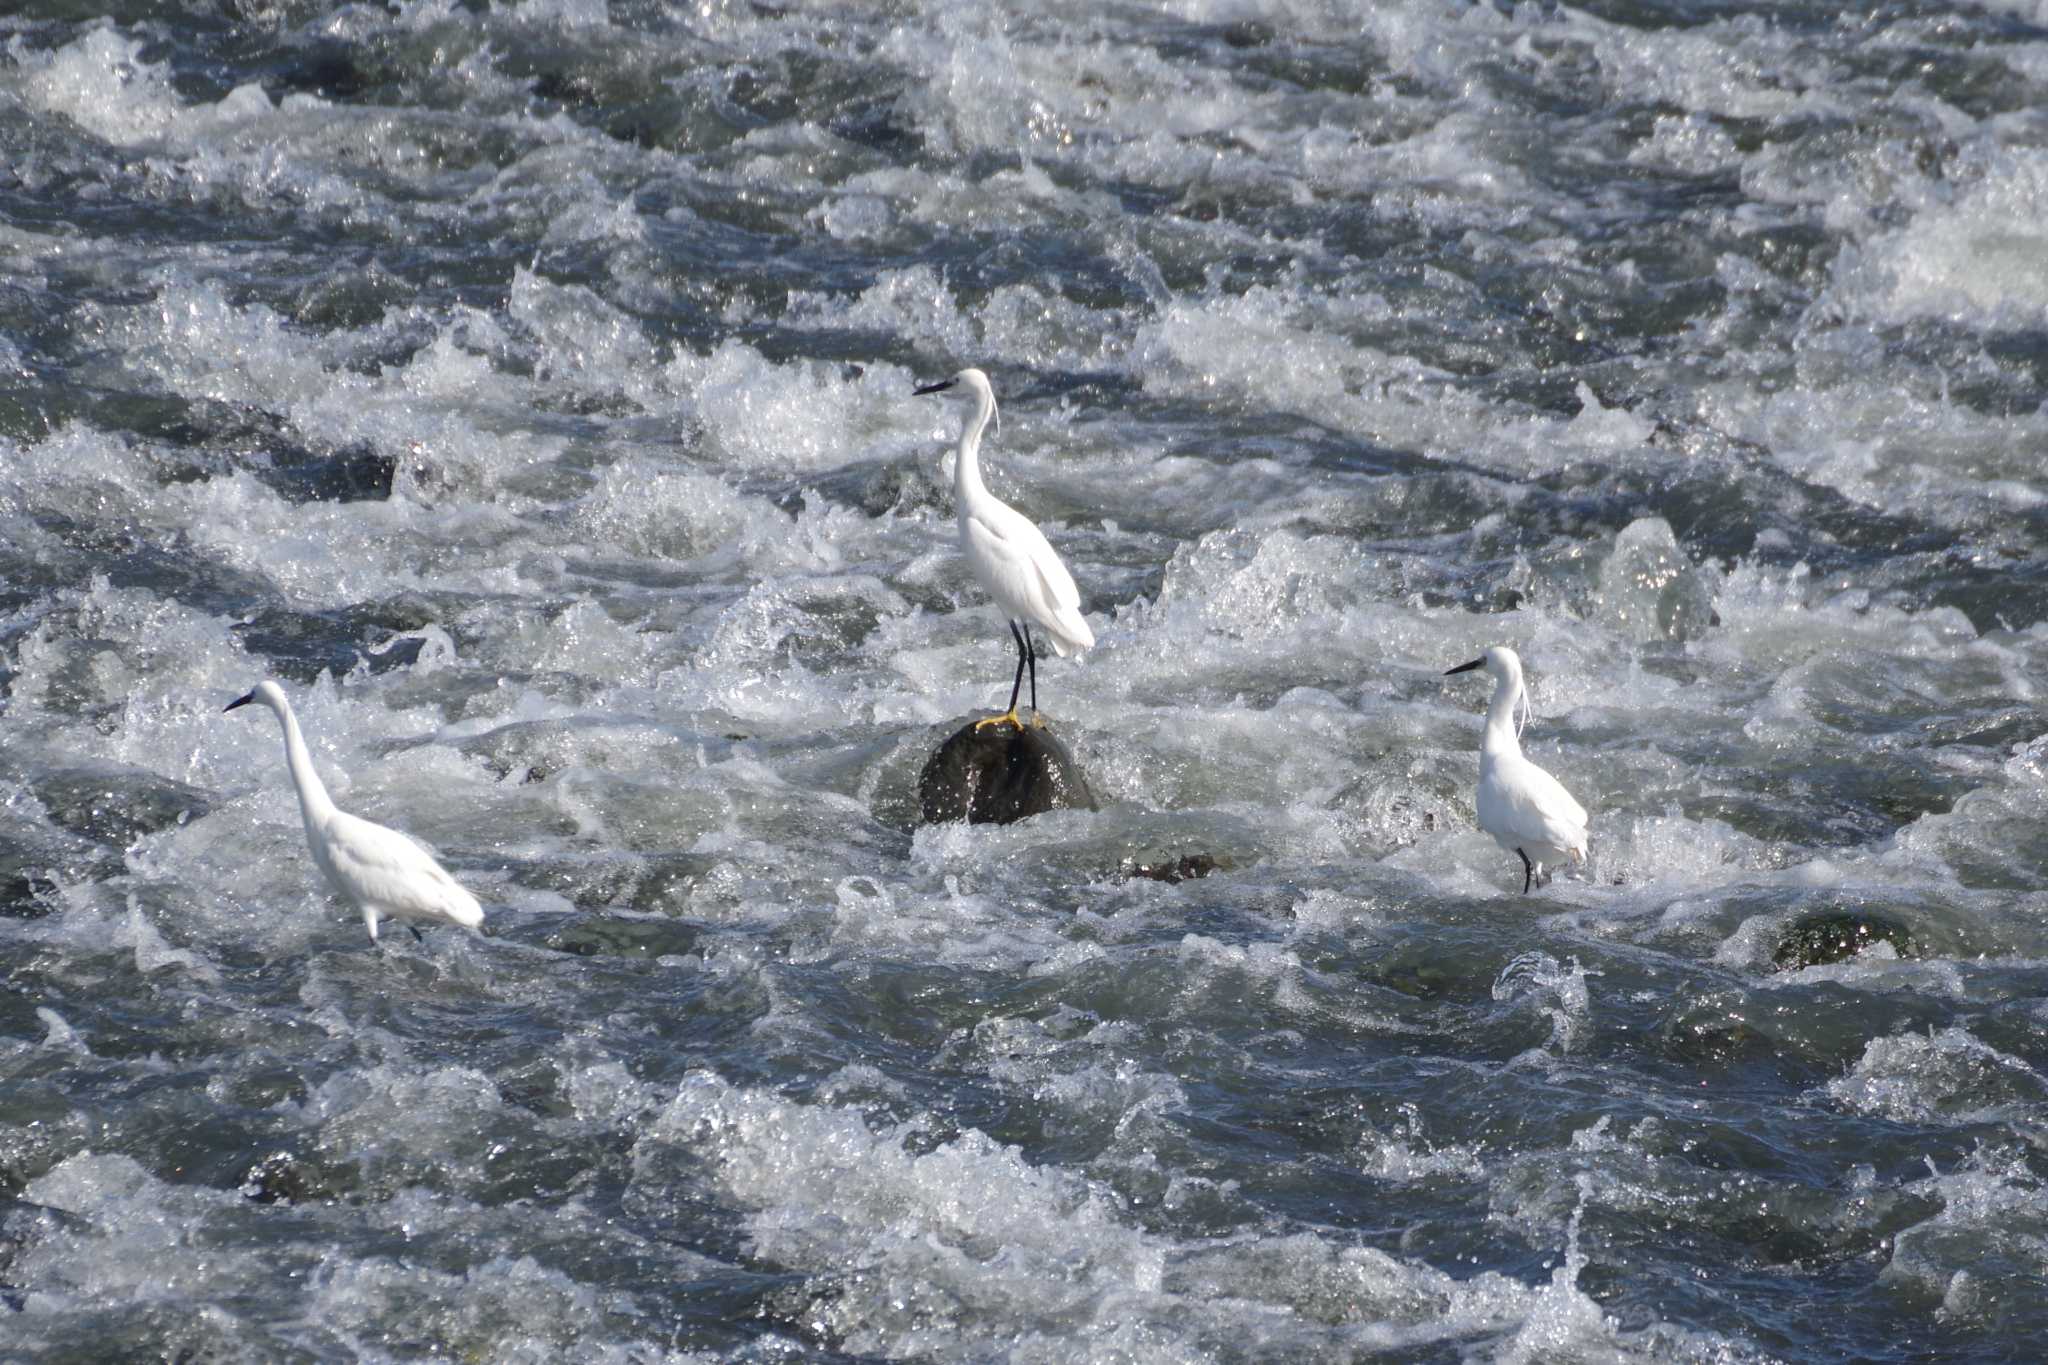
x=1009 y=555
x=382 y=872
x=1525 y=809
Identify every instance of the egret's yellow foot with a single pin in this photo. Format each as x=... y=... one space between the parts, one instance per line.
x=1037 y=719
x=1007 y=718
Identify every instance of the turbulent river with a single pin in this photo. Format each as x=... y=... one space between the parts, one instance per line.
x=527 y=388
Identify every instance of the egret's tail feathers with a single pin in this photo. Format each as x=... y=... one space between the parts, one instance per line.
x=463 y=909
x=1070 y=634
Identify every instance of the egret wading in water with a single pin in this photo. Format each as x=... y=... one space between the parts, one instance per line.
x=1525 y=809
x=384 y=873
x=1009 y=555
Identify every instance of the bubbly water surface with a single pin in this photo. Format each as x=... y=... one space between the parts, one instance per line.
x=527 y=386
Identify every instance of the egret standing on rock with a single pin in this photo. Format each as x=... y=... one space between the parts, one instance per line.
x=1525 y=809
x=1009 y=555
x=384 y=873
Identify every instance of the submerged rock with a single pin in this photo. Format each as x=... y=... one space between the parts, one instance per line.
x=1835 y=935
x=1713 y=1029
x=114 y=805
x=288 y=1178
x=617 y=936
x=1000 y=774
x=1186 y=868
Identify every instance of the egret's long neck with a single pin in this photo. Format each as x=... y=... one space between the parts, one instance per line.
x=967 y=485
x=314 y=802
x=1500 y=719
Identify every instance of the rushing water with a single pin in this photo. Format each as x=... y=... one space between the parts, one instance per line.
x=528 y=388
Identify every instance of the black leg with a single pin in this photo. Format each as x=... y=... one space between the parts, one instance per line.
x=1022 y=654
x=1031 y=657
x=1528 y=872
x=417 y=936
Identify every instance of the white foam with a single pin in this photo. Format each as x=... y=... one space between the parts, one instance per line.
x=1973 y=251
x=153 y=954
x=1410 y=1155
x=102 y=84
x=1539 y=976
x=1946 y=1076
x=140 y=1227
x=1669 y=852
x=1773 y=618
x=1649 y=589
x=951 y=1248
x=58 y=1033
x=397 y=1120
x=758 y=415
x=1978 y=1261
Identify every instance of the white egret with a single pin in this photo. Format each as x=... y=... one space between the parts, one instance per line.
x=1009 y=555
x=383 y=872
x=1525 y=809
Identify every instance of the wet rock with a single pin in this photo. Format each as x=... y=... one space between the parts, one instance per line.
x=1837 y=935
x=37 y=857
x=1712 y=1031
x=1001 y=774
x=354 y=473
x=615 y=936
x=264 y=443
x=1186 y=868
x=878 y=124
x=348 y=300
x=25 y=895
x=326 y=67
x=287 y=1178
x=113 y=805
x=302 y=644
x=879 y=488
x=1420 y=971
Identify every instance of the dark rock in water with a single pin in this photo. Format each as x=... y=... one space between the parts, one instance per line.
x=301 y=645
x=24 y=895
x=1713 y=1031
x=287 y=1178
x=1186 y=868
x=1000 y=774
x=355 y=473
x=616 y=936
x=113 y=805
x=324 y=67
x=879 y=488
x=36 y=858
x=206 y=431
x=1834 y=935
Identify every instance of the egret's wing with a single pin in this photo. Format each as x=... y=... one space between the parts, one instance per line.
x=387 y=867
x=1066 y=625
x=1022 y=571
x=1539 y=809
x=1026 y=576
x=1052 y=572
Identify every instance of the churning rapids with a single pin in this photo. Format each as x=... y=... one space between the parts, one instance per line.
x=528 y=387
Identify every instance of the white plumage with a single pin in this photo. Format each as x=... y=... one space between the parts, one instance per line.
x=1010 y=556
x=381 y=871
x=1525 y=809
